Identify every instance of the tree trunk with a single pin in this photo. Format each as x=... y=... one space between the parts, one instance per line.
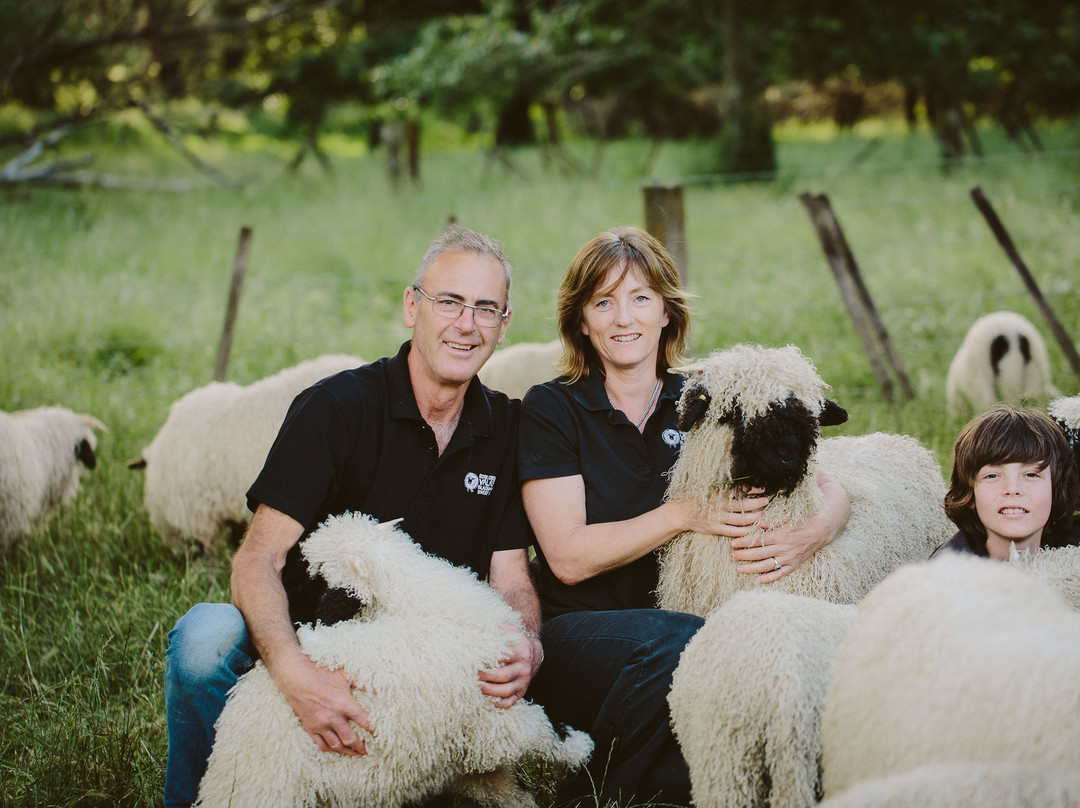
x=746 y=144
x=515 y=127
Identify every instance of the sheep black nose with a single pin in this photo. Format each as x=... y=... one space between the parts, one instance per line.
x=786 y=451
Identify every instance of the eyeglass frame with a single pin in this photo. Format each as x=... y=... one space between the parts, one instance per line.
x=461 y=308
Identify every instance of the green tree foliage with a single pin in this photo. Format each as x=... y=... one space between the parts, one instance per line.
x=487 y=63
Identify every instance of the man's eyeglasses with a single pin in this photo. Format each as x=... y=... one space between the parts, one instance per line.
x=451 y=308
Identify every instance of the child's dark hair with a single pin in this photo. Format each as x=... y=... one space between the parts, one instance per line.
x=1005 y=434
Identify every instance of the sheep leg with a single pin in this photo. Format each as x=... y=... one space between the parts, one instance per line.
x=497 y=789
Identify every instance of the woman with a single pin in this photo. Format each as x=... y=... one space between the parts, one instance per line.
x=594 y=448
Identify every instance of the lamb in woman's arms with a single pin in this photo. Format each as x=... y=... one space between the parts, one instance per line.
x=752 y=418
x=424 y=630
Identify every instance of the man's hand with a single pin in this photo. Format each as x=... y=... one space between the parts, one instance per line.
x=508 y=683
x=323 y=701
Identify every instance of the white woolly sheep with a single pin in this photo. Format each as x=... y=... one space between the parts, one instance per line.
x=747 y=696
x=962 y=659
x=204 y=458
x=751 y=418
x=966 y=785
x=1057 y=566
x=41 y=451
x=425 y=629
x=1002 y=358
x=513 y=369
x=1066 y=411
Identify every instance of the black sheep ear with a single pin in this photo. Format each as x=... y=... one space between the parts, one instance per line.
x=694 y=405
x=84 y=452
x=832 y=414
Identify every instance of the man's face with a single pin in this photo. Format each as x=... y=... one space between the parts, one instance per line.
x=452 y=351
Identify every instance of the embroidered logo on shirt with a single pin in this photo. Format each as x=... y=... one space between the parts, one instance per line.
x=673 y=438
x=479 y=483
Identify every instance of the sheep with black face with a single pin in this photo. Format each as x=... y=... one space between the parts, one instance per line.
x=42 y=452
x=751 y=417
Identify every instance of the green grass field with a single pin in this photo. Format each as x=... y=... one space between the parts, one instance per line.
x=111 y=303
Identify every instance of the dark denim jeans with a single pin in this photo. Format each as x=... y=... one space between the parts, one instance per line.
x=609 y=673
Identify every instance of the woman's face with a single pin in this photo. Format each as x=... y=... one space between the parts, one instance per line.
x=623 y=322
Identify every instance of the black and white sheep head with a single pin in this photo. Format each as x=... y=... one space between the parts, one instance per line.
x=356 y=555
x=772 y=401
x=66 y=431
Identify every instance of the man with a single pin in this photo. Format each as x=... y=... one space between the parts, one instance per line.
x=412 y=436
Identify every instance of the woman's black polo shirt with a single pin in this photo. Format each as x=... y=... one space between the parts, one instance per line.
x=356 y=442
x=573 y=429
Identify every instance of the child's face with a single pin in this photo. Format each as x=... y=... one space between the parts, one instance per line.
x=1013 y=501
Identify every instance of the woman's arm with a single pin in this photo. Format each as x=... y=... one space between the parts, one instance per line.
x=577 y=551
x=791 y=545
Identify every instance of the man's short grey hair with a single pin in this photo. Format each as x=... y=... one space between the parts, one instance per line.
x=458 y=239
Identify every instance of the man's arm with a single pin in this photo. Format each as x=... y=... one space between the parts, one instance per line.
x=322 y=699
x=509 y=576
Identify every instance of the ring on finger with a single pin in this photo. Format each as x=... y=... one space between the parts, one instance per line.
x=776 y=564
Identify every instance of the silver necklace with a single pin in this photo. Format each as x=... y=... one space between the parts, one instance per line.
x=648 y=407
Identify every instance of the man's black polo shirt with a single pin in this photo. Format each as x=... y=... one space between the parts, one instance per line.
x=573 y=429
x=356 y=442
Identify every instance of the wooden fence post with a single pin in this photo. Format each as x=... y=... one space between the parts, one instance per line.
x=1006 y=242
x=860 y=305
x=665 y=220
x=239 y=268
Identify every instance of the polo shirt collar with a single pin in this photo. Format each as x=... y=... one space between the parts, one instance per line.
x=476 y=410
x=589 y=392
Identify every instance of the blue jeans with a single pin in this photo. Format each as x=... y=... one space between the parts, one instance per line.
x=209 y=649
x=609 y=673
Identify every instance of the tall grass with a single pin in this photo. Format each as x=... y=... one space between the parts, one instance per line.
x=111 y=302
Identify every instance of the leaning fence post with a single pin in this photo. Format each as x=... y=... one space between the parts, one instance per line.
x=1006 y=242
x=239 y=268
x=860 y=305
x=665 y=220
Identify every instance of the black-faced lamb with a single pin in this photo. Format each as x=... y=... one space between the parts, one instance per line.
x=424 y=631
x=960 y=659
x=751 y=418
x=747 y=696
x=204 y=458
x=42 y=452
x=513 y=369
x=1002 y=358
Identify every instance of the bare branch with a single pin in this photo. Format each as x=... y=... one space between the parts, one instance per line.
x=177 y=142
x=16 y=167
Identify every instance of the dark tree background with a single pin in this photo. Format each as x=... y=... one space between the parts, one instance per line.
x=663 y=68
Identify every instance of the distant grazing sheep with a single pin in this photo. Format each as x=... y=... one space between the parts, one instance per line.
x=751 y=417
x=966 y=785
x=212 y=447
x=747 y=696
x=1002 y=358
x=960 y=659
x=513 y=369
x=41 y=452
x=424 y=631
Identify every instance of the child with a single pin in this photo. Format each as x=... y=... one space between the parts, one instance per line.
x=1014 y=479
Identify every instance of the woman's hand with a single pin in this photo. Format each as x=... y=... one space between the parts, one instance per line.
x=778 y=551
x=730 y=513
